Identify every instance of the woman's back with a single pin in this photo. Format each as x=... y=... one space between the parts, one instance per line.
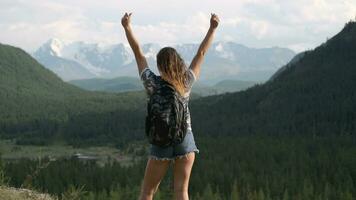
x=152 y=82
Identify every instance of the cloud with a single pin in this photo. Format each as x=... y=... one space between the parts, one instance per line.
x=299 y=25
x=191 y=30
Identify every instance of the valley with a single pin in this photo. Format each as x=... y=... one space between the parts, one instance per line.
x=10 y=151
x=289 y=138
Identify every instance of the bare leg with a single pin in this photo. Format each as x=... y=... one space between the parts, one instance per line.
x=155 y=171
x=182 y=170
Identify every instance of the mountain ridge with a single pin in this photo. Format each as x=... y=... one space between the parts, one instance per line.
x=315 y=95
x=126 y=83
x=117 y=60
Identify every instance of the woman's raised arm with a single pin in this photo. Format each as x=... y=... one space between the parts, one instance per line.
x=204 y=46
x=140 y=58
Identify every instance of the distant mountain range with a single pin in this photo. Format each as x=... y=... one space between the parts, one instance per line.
x=124 y=84
x=314 y=94
x=225 y=60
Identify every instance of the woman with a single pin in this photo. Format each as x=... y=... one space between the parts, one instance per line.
x=173 y=70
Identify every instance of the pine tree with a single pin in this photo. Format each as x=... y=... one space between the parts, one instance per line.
x=347 y=195
x=261 y=195
x=308 y=190
x=209 y=194
x=4 y=180
x=285 y=195
x=235 y=195
x=115 y=195
x=327 y=191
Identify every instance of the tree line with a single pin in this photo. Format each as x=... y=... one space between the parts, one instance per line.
x=245 y=167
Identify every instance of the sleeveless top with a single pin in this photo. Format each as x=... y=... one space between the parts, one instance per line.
x=151 y=82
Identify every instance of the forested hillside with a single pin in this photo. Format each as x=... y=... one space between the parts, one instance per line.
x=37 y=105
x=315 y=95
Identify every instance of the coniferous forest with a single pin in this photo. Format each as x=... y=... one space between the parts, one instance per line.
x=246 y=167
x=292 y=137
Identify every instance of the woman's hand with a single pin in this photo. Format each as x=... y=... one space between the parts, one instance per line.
x=214 y=21
x=140 y=58
x=126 y=20
x=204 y=46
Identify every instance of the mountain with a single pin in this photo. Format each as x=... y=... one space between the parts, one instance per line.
x=64 y=68
x=233 y=85
x=36 y=104
x=221 y=87
x=119 y=84
x=315 y=95
x=225 y=60
x=293 y=61
x=78 y=60
x=124 y=84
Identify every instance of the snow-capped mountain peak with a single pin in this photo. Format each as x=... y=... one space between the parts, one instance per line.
x=56 y=47
x=52 y=47
x=222 y=49
x=108 y=61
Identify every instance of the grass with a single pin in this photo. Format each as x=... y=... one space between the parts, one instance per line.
x=21 y=194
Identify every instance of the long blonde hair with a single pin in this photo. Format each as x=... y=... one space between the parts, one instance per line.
x=172 y=68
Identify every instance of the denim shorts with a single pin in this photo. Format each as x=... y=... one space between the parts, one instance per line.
x=174 y=151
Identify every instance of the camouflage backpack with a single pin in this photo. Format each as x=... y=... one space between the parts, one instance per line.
x=165 y=121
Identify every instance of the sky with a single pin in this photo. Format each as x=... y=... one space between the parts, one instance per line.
x=299 y=24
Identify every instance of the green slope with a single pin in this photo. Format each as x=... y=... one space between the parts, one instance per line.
x=35 y=101
x=315 y=95
x=221 y=87
x=124 y=84
x=119 y=84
